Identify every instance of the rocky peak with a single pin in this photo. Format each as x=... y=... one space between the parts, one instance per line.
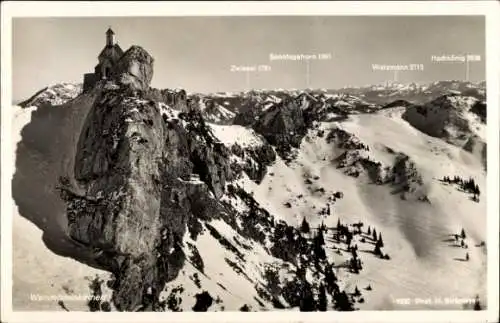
x=451 y=117
x=134 y=70
x=283 y=125
x=134 y=162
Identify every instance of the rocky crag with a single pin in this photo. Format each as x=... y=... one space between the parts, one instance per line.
x=147 y=175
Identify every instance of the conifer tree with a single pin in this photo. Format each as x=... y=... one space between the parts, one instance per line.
x=356 y=291
x=330 y=278
x=353 y=264
x=338 y=223
x=467 y=256
x=320 y=238
x=477 y=304
x=348 y=238
x=289 y=233
x=307 y=303
x=380 y=240
x=354 y=253
x=94 y=302
x=374 y=234
x=322 y=301
x=304 y=226
x=342 y=302
x=462 y=234
x=319 y=251
x=369 y=230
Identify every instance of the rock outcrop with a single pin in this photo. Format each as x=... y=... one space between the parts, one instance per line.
x=146 y=176
x=134 y=69
x=248 y=113
x=479 y=108
x=478 y=147
x=283 y=126
x=176 y=99
x=253 y=160
x=355 y=160
x=135 y=163
x=407 y=179
x=445 y=117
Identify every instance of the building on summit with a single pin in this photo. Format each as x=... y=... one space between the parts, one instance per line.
x=138 y=65
x=108 y=58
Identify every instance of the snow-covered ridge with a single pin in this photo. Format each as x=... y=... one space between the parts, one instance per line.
x=56 y=94
x=452 y=117
x=230 y=135
x=350 y=100
x=416 y=92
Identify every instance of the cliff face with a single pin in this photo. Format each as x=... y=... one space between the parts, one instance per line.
x=283 y=126
x=149 y=182
x=134 y=161
x=450 y=117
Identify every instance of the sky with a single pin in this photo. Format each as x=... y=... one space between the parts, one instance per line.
x=196 y=53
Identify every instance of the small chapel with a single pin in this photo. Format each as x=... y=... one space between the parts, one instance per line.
x=108 y=58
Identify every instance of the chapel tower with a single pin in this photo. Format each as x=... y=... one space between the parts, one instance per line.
x=110 y=37
x=108 y=58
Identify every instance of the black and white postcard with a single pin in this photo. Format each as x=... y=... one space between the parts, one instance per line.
x=296 y=161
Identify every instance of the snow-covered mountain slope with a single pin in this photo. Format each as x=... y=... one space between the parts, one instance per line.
x=460 y=120
x=56 y=94
x=416 y=234
x=42 y=278
x=217 y=113
x=276 y=212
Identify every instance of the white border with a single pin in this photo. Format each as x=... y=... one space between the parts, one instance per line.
x=93 y=9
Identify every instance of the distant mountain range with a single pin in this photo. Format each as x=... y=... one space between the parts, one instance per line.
x=370 y=94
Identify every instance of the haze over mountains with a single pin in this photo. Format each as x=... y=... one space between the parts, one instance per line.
x=259 y=200
x=200 y=62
